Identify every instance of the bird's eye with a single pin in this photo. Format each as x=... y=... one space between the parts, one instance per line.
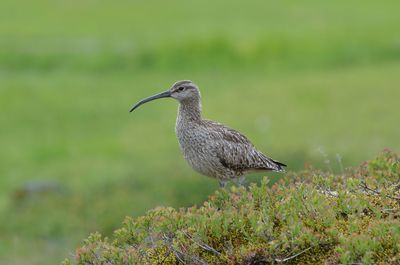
x=181 y=88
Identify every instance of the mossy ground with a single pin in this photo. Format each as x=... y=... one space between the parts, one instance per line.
x=310 y=217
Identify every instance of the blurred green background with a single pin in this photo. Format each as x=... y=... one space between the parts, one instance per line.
x=309 y=82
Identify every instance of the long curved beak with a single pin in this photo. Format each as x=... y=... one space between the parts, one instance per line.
x=165 y=94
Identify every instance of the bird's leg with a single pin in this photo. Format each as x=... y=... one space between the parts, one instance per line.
x=241 y=181
x=222 y=184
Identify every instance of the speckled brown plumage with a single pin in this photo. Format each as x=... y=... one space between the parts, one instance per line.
x=211 y=148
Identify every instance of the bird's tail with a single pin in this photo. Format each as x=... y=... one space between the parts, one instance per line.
x=271 y=164
x=280 y=167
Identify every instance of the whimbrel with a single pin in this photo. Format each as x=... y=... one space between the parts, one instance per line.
x=210 y=148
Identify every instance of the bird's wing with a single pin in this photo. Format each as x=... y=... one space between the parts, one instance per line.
x=236 y=152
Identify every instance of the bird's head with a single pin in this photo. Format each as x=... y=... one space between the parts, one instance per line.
x=182 y=91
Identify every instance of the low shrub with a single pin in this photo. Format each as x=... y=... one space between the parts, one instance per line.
x=308 y=217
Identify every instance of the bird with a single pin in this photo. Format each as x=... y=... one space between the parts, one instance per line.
x=211 y=148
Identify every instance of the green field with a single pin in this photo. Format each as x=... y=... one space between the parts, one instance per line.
x=305 y=81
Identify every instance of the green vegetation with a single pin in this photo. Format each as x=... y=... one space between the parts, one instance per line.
x=315 y=218
x=295 y=77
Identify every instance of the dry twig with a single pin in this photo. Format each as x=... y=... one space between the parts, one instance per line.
x=294 y=256
x=202 y=245
x=364 y=186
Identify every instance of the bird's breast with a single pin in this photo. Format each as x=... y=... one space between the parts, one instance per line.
x=196 y=148
x=191 y=138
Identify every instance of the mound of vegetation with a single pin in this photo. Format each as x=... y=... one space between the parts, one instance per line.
x=309 y=217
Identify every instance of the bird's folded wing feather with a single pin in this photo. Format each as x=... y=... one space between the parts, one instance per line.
x=236 y=152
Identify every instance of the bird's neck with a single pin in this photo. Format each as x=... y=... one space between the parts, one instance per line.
x=190 y=110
